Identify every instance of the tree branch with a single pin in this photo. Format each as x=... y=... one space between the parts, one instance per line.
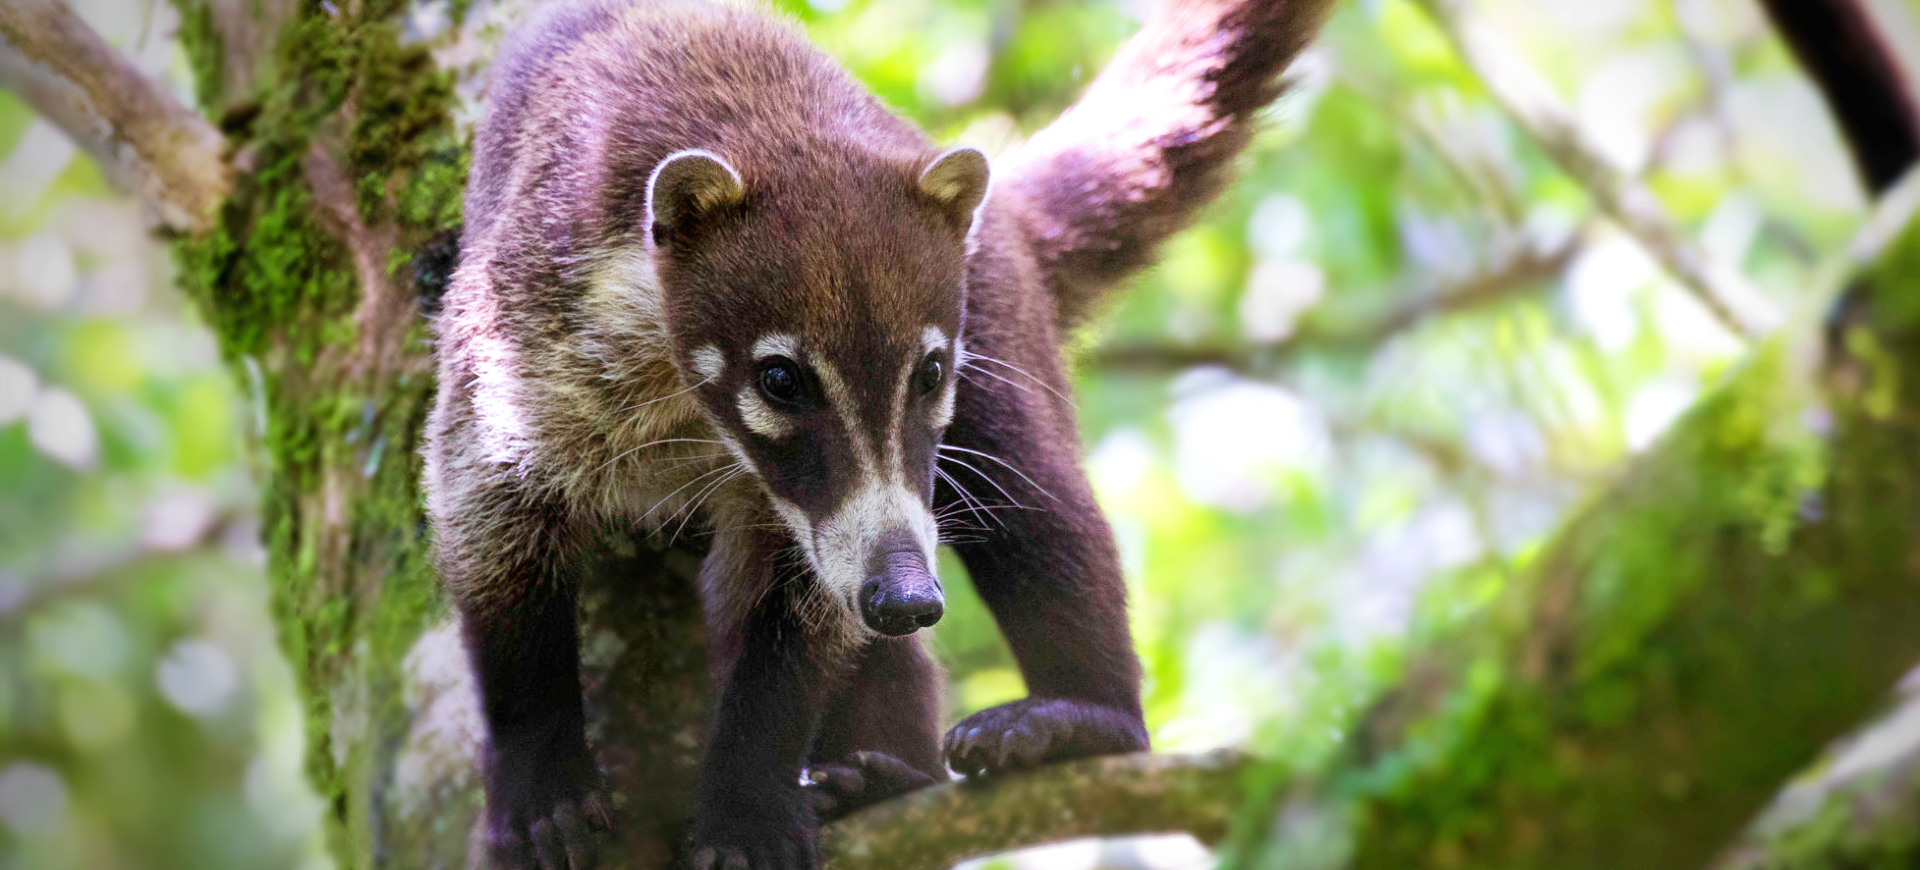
x=1100 y=797
x=1858 y=805
x=147 y=142
x=1638 y=693
x=1522 y=272
x=1533 y=106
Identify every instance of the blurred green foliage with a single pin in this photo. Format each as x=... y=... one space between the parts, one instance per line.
x=1314 y=450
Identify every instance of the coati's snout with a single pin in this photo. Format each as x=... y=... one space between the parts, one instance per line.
x=901 y=596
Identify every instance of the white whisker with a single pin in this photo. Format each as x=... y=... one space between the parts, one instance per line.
x=1008 y=465
x=683 y=460
x=701 y=497
x=628 y=452
x=983 y=476
x=971 y=356
x=632 y=408
x=965 y=496
x=696 y=479
x=1018 y=386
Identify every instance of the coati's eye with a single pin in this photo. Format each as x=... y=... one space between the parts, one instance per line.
x=928 y=377
x=779 y=381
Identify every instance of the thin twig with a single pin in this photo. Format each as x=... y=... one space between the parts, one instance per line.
x=1521 y=272
x=1533 y=106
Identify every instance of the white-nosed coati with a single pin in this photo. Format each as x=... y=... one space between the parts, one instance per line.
x=705 y=277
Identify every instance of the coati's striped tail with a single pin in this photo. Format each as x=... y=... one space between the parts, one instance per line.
x=1836 y=43
x=1152 y=139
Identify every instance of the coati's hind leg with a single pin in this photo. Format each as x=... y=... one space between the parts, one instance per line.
x=1047 y=567
x=881 y=736
x=517 y=617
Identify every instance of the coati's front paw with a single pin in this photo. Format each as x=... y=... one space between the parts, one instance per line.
x=1034 y=731
x=743 y=847
x=544 y=807
x=858 y=781
x=558 y=837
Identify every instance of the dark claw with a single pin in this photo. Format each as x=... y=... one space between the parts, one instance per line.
x=972 y=741
x=840 y=779
x=546 y=846
x=829 y=786
x=598 y=811
x=732 y=858
x=575 y=835
x=563 y=839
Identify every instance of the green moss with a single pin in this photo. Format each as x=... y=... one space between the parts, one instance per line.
x=1627 y=615
x=269 y=267
x=401 y=122
x=1896 y=305
x=206 y=51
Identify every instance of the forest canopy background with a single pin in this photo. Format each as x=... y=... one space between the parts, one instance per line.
x=1344 y=413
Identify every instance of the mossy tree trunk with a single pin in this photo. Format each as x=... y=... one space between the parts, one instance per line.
x=1748 y=592
x=341 y=119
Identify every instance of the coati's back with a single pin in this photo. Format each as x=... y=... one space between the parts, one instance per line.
x=660 y=76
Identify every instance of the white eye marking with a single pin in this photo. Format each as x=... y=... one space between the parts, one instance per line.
x=739 y=452
x=709 y=362
x=931 y=339
x=943 y=409
x=897 y=416
x=776 y=344
x=763 y=420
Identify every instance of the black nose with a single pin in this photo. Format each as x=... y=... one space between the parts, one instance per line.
x=903 y=597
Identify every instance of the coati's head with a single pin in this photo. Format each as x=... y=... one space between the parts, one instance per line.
x=815 y=309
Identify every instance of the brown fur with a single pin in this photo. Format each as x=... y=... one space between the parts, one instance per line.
x=1836 y=43
x=1151 y=141
x=590 y=360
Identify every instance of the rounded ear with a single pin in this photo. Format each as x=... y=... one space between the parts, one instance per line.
x=686 y=185
x=957 y=180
